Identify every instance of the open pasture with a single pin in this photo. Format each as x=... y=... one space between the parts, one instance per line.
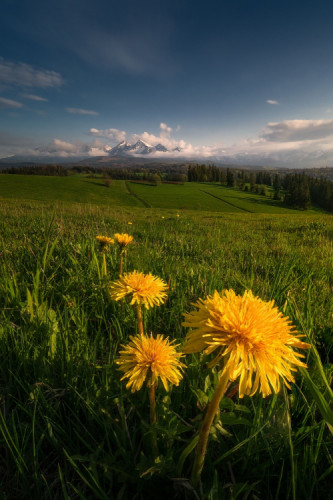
x=189 y=196
x=68 y=426
x=207 y=196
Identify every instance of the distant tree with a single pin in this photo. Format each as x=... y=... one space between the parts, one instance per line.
x=230 y=178
x=298 y=192
x=263 y=190
x=252 y=182
x=277 y=187
x=223 y=177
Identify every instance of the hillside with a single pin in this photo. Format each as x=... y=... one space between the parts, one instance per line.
x=190 y=196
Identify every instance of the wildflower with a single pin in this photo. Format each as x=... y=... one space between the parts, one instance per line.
x=123 y=239
x=104 y=241
x=130 y=223
x=142 y=288
x=146 y=358
x=252 y=340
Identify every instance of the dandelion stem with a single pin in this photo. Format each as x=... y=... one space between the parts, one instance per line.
x=140 y=320
x=104 y=264
x=153 y=419
x=121 y=263
x=211 y=411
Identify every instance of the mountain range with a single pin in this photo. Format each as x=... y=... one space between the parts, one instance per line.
x=139 y=148
x=140 y=153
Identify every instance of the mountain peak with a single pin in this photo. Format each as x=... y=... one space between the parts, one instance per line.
x=139 y=148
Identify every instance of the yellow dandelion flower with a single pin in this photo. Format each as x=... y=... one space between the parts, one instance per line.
x=130 y=223
x=142 y=288
x=104 y=241
x=253 y=340
x=123 y=239
x=149 y=358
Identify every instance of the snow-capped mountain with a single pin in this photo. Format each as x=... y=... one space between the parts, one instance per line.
x=139 y=148
x=120 y=149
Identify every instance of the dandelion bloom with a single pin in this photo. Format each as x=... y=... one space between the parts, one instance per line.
x=253 y=340
x=142 y=288
x=149 y=358
x=104 y=240
x=123 y=239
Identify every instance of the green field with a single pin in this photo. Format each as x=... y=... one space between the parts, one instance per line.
x=190 y=196
x=68 y=426
x=207 y=196
x=77 y=189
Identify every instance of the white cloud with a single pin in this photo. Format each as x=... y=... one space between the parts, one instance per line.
x=79 y=111
x=164 y=137
x=271 y=101
x=64 y=146
x=164 y=127
x=298 y=130
x=66 y=149
x=112 y=134
x=34 y=97
x=25 y=75
x=297 y=143
x=9 y=103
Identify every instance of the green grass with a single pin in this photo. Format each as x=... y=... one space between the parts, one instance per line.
x=68 y=426
x=208 y=196
x=190 y=196
x=77 y=189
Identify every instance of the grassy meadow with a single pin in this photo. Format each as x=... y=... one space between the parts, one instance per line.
x=92 y=190
x=69 y=428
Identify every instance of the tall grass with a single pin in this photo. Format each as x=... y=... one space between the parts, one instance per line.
x=70 y=429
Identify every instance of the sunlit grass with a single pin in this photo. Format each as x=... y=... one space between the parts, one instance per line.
x=68 y=426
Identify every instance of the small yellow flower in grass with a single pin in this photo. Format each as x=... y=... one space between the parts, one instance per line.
x=142 y=288
x=123 y=239
x=251 y=339
x=130 y=223
x=104 y=241
x=148 y=359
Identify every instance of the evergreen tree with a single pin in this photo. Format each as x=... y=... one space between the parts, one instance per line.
x=230 y=178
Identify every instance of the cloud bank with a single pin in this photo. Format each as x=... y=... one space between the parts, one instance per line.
x=298 y=130
x=298 y=143
x=24 y=75
x=112 y=134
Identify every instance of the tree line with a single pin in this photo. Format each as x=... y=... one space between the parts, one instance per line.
x=296 y=190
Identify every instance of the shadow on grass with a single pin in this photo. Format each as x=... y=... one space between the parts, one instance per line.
x=96 y=183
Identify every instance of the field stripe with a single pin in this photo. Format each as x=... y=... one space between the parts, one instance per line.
x=136 y=196
x=228 y=202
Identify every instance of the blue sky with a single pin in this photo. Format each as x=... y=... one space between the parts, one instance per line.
x=241 y=79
